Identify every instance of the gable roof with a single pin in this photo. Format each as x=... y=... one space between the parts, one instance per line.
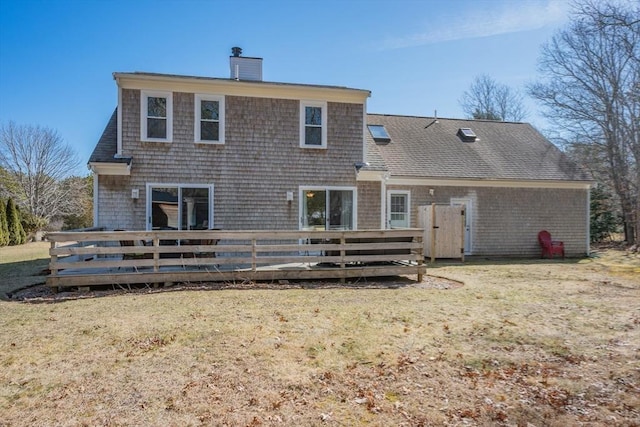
x=107 y=145
x=422 y=147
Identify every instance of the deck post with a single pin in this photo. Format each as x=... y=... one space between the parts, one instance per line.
x=420 y=257
x=156 y=254
x=343 y=241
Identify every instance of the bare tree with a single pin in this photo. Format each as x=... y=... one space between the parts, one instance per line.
x=590 y=90
x=486 y=99
x=36 y=162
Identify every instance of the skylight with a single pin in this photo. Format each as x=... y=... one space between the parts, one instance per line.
x=467 y=134
x=379 y=133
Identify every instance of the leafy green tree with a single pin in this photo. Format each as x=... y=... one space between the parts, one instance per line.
x=603 y=220
x=32 y=223
x=4 y=229
x=17 y=235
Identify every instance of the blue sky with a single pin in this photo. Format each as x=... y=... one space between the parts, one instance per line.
x=57 y=57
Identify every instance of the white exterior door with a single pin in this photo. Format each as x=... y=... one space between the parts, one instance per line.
x=468 y=207
x=398 y=212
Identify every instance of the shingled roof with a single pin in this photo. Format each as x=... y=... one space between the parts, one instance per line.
x=422 y=147
x=107 y=146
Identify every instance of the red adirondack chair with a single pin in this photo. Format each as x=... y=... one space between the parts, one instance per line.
x=550 y=247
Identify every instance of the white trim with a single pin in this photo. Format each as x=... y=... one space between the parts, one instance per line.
x=105 y=168
x=323 y=125
x=95 y=199
x=144 y=95
x=149 y=194
x=301 y=198
x=199 y=97
x=451 y=182
x=191 y=84
x=364 y=129
x=383 y=208
x=119 y=125
x=408 y=206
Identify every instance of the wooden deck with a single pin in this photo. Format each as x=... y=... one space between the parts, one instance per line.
x=80 y=259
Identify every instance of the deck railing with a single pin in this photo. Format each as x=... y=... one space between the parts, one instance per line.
x=127 y=257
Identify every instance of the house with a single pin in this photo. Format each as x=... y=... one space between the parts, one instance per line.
x=511 y=180
x=240 y=153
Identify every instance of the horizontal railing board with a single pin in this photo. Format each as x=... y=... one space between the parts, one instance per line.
x=63 y=236
x=229 y=276
x=240 y=251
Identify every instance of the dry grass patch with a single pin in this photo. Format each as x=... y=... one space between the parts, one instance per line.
x=545 y=343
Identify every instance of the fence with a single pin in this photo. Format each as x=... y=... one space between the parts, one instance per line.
x=127 y=257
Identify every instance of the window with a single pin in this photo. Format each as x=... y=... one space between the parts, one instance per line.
x=325 y=208
x=209 y=119
x=179 y=207
x=156 y=116
x=313 y=124
x=379 y=133
x=398 y=209
x=467 y=135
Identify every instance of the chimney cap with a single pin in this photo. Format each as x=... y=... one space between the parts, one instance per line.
x=236 y=51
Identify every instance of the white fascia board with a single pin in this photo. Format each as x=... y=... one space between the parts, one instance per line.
x=240 y=88
x=365 y=175
x=101 y=168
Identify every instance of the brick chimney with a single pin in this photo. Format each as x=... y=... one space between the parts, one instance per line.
x=243 y=67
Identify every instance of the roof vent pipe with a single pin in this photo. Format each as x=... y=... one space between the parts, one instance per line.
x=236 y=51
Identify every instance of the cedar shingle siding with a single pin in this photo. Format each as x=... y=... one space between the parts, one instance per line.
x=518 y=182
x=506 y=221
x=260 y=161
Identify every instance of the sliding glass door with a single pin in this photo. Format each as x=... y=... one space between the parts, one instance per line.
x=179 y=207
x=327 y=208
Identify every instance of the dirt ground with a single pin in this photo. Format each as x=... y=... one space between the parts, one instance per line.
x=487 y=342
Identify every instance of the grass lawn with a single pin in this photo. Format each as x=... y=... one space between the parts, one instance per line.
x=542 y=343
x=20 y=265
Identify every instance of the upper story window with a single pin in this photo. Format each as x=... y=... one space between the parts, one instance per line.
x=156 y=116
x=209 y=119
x=313 y=124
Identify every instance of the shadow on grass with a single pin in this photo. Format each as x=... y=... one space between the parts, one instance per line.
x=488 y=261
x=22 y=274
x=44 y=294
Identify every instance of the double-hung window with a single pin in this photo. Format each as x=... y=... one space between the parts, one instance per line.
x=209 y=119
x=156 y=116
x=313 y=124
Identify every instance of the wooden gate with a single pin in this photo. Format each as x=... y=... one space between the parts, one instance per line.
x=443 y=231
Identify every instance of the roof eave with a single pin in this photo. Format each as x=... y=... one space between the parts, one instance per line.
x=178 y=83
x=110 y=168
